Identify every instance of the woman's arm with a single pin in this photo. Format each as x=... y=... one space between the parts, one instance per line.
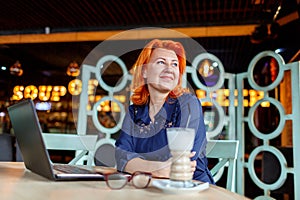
x=128 y=160
x=157 y=168
x=192 y=117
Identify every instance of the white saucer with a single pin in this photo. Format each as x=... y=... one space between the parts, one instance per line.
x=172 y=187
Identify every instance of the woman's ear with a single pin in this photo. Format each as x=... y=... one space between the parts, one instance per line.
x=144 y=72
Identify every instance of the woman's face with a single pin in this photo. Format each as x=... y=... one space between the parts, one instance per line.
x=162 y=71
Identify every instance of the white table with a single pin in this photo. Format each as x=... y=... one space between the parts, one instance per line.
x=18 y=183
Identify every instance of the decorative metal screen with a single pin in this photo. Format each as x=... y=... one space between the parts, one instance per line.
x=272 y=126
x=223 y=100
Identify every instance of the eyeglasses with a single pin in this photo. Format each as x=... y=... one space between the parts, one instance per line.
x=117 y=181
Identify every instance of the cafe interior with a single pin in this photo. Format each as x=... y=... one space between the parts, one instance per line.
x=73 y=59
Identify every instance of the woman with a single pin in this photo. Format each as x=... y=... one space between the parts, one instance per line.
x=160 y=102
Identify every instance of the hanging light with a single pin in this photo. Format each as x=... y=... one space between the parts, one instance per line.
x=206 y=68
x=16 y=69
x=73 y=69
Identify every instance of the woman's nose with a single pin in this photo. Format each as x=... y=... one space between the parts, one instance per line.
x=169 y=65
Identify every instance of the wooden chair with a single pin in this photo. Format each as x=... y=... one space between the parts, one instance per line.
x=84 y=145
x=226 y=151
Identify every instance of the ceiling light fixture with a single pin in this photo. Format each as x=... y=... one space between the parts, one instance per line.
x=16 y=69
x=73 y=69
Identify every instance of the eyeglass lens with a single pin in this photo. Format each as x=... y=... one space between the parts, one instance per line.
x=141 y=180
x=118 y=181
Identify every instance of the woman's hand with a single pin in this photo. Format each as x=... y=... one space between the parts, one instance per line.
x=193 y=162
x=164 y=170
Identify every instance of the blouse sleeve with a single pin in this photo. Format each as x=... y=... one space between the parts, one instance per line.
x=192 y=117
x=124 y=150
x=191 y=109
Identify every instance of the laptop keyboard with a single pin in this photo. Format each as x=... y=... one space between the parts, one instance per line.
x=71 y=169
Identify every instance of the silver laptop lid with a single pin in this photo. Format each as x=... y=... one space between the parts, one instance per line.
x=29 y=138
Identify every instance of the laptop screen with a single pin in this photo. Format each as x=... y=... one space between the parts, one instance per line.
x=29 y=138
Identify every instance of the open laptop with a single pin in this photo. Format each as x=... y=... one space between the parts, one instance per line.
x=36 y=158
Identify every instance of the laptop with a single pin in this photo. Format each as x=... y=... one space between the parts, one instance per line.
x=36 y=158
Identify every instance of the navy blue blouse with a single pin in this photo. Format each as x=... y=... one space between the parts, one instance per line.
x=141 y=138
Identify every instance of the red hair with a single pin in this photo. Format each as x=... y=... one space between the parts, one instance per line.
x=139 y=87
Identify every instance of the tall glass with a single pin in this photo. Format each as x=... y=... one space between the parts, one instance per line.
x=181 y=142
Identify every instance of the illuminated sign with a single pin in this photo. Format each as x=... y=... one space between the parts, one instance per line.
x=43 y=92
x=54 y=93
x=221 y=96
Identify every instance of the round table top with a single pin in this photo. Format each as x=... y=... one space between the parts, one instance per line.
x=19 y=183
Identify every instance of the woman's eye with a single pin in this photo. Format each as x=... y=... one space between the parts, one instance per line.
x=160 y=62
x=175 y=64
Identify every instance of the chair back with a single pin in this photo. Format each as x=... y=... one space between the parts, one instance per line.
x=226 y=151
x=84 y=145
x=6 y=147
